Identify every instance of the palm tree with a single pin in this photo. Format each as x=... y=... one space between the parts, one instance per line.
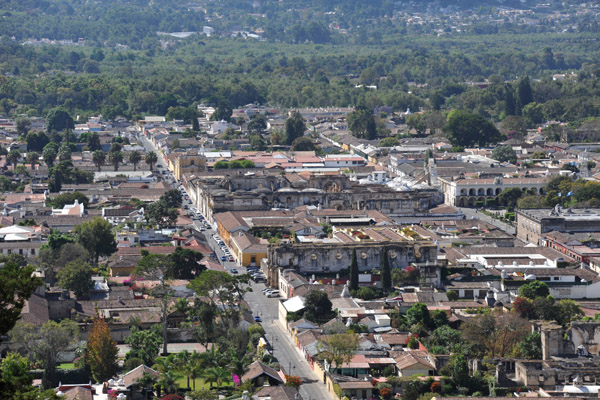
x=32 y=158
x=147 y=382
x=135 y=157
x=182 y=361
x=196 y=365
x=115 y=158
x=181 y=305
x=151 y=159
x=237 y=364
x=163 y=364
x=211 y=375
x=13 y=157
x=64 y=152
x=167 y=383
x=99 y=158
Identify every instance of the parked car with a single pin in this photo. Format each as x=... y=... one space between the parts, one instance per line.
x=234 y=271
x=274 y=293
x=231 y=259
x=257 y=319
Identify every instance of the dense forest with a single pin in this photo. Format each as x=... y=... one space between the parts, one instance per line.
x=318 y=54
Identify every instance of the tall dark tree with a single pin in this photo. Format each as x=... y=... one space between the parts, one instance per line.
x=151 y=158
x=354 y=272
x=294 y=127
x=97 y=238
x=93 y=142
x=223 y=111
x=386 y=274
x=523 y=95
x=59 y=119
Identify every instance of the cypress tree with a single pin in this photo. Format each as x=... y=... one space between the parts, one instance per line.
x=386 y=275
x=354 y=272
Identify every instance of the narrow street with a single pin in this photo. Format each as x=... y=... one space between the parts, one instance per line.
x=290 y=359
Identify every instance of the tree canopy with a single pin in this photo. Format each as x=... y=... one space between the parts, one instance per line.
x=464 y=128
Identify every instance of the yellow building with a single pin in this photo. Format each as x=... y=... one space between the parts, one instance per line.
x=248 y=250
x=186 y=163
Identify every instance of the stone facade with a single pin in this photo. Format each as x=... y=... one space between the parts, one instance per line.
x=532 y=224
x=318 y=258
x=250 y=191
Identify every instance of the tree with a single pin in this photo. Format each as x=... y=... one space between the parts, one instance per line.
x=276 y=138
x=303 y=144
x=294 y=127
x=76 y=276
x=144 y=344
x=93 y=142
x=99 y=158
x=18 y=284
x=361 y=123
x=223 y=112
x=256 y=142
x=504 y=154
x=530 y=347
x=172 y=198
x=68 y=198
x=257 y=124
x=509 y=197
x=494 y=333
x=467 y=129
x=318 y=307
x=418 y=313
x=49 y=154
x=102 y=352
x=444 y=338
x=135 y=157
x=386 y=275
x=389 y=141
x=115 y=158
x=534 y=289
x=186 y=263
x=13 y=157
x=32 y=158
x=36 y=141
x=16 y=383
x=22 y=125
x=523 y=95
x=151 y=159
x=568 y=310
x=206 y=314
x=353 y=271
x=59 y=119
x=64 y=152
x=341 y=348
x=97 y=238
x=460 y=370
x=43 y=343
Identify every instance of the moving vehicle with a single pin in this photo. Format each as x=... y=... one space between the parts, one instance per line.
x=223 y=258
x=257 y=319
x=234 y=271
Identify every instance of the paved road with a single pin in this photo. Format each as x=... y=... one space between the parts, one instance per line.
x=472 y=213
x=288 y=355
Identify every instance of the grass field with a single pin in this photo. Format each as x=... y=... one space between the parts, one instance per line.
x=66 y=366
x=200 y=383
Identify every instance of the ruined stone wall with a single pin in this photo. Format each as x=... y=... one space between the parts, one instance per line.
x=586 y=334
